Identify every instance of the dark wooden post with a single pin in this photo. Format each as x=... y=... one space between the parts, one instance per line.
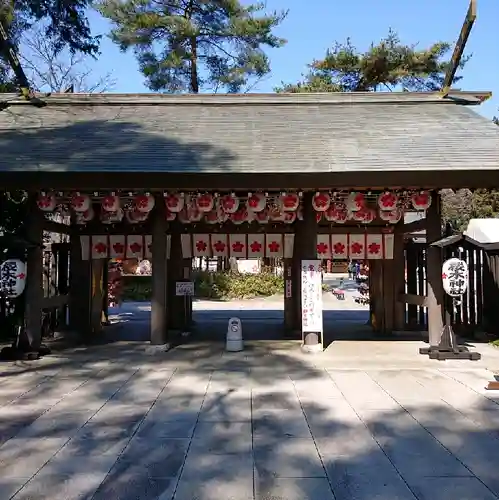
x=306 y=244
x=159 y=302
x=435 y=297
x=398 y=281
x=34 y=279
x=63 y=279
x=97 y=296
x=176 y=316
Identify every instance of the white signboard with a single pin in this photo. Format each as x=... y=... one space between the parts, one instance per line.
x=184 y=288
x=12 y=278
x=455 y=277
x=311 y=296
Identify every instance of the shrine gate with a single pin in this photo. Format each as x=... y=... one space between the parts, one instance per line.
x=294 y=176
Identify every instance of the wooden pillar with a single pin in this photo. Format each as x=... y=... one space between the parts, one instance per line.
x=306 y=246
x=63 y=279
x=97 y=297
x=176 y=316
x=398 y=281
x=80 y=283
x=34 y=280
x=376 y=295
x=435 y=297
x=289 y=302
x=159 y=302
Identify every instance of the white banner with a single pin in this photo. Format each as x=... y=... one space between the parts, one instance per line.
x=117 y=246
x=311 y=296
x=273 y=247
x=201 y=245
x=135 y=247
x=289 y=240
x=374 y=246
x=238 y=245
x=85 y=247
x=256 y=245
x=100 y=246
x=357 y=246
x=323 y=246
x=219 y=245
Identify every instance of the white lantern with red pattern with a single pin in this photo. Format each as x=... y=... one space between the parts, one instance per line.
x=111 y=217
x=84 y=217
x=174 y=202
x=110 y=203
x=262 y=217
x=205 y=202
x=355 y=201
x=321 y=201
x=144 y=203
x=193 y=214
x=421 y=200
x=392 y=216
x=134 y=216
x=290 y=202
x=365 y=215
x=289 y=217
x=212 y=217
x=256 y=202
x=229 y=203
x=170 y=215
x=336 y=213
x=387 y=201
x=80 y=202
x=242 y=215
x=46 y=202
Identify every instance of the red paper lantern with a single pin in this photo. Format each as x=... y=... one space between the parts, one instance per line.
x=290 y=202
x=256 y=202
x=321 y=201
x=421 y=200
x=80 y=202
x=174 y=202
x=387 y=201
x=336 y=213
x=205 y=202
x=242 y=215
x=46 y=202
x=110 y=203
x=144 y=203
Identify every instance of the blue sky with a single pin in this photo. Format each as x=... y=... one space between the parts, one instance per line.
x=310 y=31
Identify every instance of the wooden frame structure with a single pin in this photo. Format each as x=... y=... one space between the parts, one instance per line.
x=253 y=143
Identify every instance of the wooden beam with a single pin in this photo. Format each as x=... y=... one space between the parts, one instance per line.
x=459 y=48
x=412 y=227
x=56 y=227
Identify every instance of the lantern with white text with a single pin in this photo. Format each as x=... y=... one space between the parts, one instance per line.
x=290 y=202
x=144 y=203
x=256 y=202
x=392 y=216
x=205 y=202
x=12 y=278
x=387 y=201
x=355 y=201
x=455 y=277
x=321 y=201
x=421 y=200
x=110 y=203
x=174 y=202
x=46 y=202
x=229 y=203
x=80 y=202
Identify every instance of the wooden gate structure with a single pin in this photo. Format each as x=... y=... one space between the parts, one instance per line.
x=300 y=176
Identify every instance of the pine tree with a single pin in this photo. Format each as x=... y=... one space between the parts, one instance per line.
x=387 y=65
x=195 y=45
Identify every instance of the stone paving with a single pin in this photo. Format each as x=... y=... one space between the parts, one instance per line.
x=270 y=423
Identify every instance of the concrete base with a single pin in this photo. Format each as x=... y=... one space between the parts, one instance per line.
x=312 y=348
x=157 y=348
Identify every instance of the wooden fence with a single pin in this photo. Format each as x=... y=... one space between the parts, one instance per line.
x=470 y=315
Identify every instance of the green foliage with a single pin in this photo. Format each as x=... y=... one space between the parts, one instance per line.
x=212 y=285
x=191 y=45
x=385 y=66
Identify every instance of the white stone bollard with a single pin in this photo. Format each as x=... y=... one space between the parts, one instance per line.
x=234 y=341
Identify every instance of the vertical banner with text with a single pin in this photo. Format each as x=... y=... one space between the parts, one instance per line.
x=311 y=296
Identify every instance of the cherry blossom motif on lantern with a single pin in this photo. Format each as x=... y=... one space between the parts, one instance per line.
x=135 y=247
x=100 y=247
x=289 y=217
x=387 y=201
x=211 y=217
x=356 y=201
x=321 y=202
x=174 y=203
x=219 y=246
x=21 y=276
x=118 y=248
x=290 y=202
x=201 y=246
x=256 y=247
x=256 y=202
x=237 y=247
x=144 y=202
x=80 y=202
x=274 y=246
x=322 y=248
x=46 y=202
x=318 y=216
x=339 y=248
x=204 y=202
x=374 y=248
x=421 y=200
x=357 y=248
x=311 y=268
x=229 y=203
x=110 y=203
x=444 y=276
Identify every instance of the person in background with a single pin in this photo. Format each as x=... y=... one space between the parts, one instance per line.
x=357 y=270
x=351 y=270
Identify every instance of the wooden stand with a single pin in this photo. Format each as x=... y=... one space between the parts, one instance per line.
x=493 y=385
x=447 y=347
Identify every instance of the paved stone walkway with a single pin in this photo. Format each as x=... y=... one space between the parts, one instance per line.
x=115 y=423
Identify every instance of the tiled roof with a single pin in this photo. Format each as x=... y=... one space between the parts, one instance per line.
x=283 y=133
